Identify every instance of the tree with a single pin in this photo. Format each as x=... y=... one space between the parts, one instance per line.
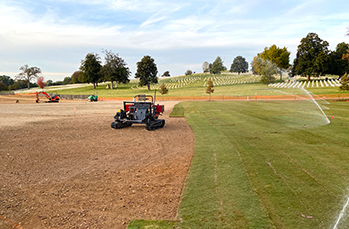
x=163 y=90
x=41 y=82
x=206 y=67
x=90 y=69
x=217 y=66
x=265 y=68
x=49 y=82
x=256 y=65
x=209 y=88
x=75 y=77
x=338 y=63
x=188 y=72
x=312 y=57
x=19 y=84
x=6 y=80
x=279 y=56
x=346 y=55
x=239 y=65
x=146 y=72
x=115 y=69
x=67 y=80
x=268 y=70
x=344 y=83
x=28 y=73
x=3 y=87
x=167 y=73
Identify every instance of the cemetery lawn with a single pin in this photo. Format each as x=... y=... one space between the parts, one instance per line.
x=228 y=84
x=256 y=165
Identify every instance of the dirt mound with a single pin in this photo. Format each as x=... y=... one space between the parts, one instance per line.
x=62 y=165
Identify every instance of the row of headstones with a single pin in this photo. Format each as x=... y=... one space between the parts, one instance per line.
x=231 y=80
x=314 y=83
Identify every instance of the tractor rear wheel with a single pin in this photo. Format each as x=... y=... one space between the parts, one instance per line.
x=115 y=125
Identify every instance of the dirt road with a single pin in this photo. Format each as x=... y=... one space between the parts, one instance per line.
x=63 y=166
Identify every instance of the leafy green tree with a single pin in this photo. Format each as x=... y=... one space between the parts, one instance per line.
x=19 y=84
x=217 y=66
x=188 y=72
x=115 y=69
x=6 y=80
x=90 y=69
x=209 y=88
x=28 y=74
x=265 y=68
x=239 y=65
x=312 y=57
x=163 y=90
x=49 y=82
x=3 y=87
x=206 y=67
x=67 y=80
x=269 y=69
x=344 y=83
x=146 y=72
x=346 y=55
x=279 y=56
x=339 y=65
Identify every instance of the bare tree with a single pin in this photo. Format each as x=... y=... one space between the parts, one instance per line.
x=28 y=73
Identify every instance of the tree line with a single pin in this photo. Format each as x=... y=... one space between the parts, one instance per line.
x=115 y=70
x=313 y=59
x=91 y=70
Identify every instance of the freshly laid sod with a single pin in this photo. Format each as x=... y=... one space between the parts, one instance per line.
x=262 y=164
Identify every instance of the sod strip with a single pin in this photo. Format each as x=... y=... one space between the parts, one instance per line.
x=218 y=192
x=260 y=156
x=256 y=165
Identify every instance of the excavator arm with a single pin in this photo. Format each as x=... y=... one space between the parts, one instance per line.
x=54 y=98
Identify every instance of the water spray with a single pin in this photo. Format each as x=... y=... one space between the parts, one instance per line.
x=302 y=98
x=312 y=98
x=341 y=214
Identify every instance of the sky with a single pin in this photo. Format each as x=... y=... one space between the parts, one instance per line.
x=56 y=35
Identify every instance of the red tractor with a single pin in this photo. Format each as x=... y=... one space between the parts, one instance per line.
x=51 y=99
x=141 y=110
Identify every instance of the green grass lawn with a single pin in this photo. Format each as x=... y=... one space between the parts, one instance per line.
x=264 y=164
x=225 y=85
x=178 y=86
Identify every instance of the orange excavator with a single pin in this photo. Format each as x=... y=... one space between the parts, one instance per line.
x=51 y=99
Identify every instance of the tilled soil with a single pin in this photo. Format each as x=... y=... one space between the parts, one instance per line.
x=63 y=166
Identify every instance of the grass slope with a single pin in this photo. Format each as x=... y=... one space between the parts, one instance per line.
x=228 y=84
x=256 y=165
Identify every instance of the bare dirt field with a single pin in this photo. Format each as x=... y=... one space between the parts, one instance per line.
x=63 y=166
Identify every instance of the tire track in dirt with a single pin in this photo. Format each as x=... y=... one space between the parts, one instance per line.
x=60 y=169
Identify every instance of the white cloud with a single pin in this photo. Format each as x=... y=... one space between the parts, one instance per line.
x=23 y=29
x=162 y=26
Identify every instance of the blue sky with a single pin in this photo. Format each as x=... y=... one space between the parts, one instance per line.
x=55 y=35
